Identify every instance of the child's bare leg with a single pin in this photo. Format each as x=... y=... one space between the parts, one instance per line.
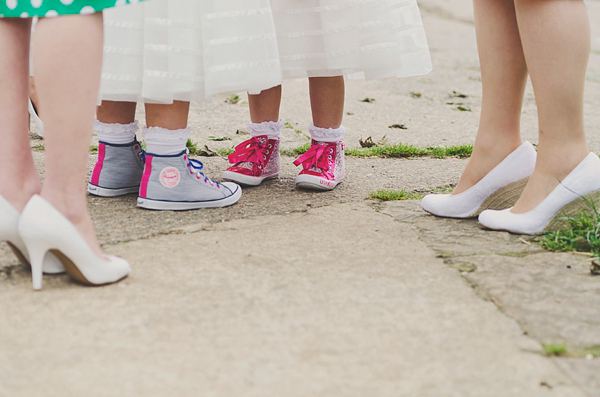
x=265 y=106
x=327 y=101
x=556 y=43
x=503 y=75
x=170 y=117
x=116 y=112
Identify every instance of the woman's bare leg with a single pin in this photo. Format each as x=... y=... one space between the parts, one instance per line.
x=67 y=67
x=19 y=178
x=503 y=76
x=556 y=43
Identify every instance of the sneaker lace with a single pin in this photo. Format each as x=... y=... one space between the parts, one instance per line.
x=250 y=151
x=197 y=167
x=317 y=156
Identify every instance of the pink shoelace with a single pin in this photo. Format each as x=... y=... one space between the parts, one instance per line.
x=250 y=151
x=316 y=156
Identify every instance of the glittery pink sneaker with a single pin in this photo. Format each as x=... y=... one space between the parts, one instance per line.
x=323 y=166
x=254 y=161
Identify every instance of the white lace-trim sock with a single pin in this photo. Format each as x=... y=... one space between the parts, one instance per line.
x=326 y=134
x=120 y=134
x=162 y=141
x=272 y=129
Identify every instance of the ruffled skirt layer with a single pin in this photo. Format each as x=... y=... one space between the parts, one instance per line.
x=186 y=50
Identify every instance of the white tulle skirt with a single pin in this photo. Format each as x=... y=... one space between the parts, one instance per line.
x=165 y=50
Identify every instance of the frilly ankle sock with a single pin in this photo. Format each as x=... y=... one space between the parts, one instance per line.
x=272 y=129
x=162 y=141
x=326 y=134
x=120 y=134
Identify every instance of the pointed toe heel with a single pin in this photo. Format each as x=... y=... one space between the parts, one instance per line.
x=45 y=230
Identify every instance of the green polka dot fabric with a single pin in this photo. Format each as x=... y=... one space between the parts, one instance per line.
x=52 y=8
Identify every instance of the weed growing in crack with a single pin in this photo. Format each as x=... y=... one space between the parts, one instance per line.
x=582 y=234
x=392 y=195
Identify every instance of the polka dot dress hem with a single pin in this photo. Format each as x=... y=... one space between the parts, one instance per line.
x=53 y=8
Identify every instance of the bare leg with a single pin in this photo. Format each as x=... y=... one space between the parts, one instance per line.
x=113 y=112
x=67 y=67
x=503 y=75
x=327 y=101
x=556 y=42
x=19 y=178
x=170 y=117
x=265 y=106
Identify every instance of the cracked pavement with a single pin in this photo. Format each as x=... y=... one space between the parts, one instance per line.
x=293 y=293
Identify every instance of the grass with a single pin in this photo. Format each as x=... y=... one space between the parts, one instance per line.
x=401 y=150
x=555 y=349
x=581 y=235
x=393 y=195
x=224 y=152
x=391 y=151
x=296 y=151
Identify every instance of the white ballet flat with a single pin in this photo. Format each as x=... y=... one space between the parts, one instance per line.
x=9 y=221
x=574 y=194
x=499 y=189
x=44 y=229
x=36 y=119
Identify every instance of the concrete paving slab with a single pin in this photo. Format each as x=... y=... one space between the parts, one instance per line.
x=358 y=308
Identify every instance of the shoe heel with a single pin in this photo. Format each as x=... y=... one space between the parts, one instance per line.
x=588 y=205
x=37 y=252
x=503 y=198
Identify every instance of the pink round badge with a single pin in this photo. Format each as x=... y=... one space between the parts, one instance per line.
x=169 y=177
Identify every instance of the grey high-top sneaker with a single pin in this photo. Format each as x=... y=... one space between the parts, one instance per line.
x=176 y=182
x=118 y=170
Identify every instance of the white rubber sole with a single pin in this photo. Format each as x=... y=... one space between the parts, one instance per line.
x=312 y=182
x=150 y=204
x=246 y=179
x=103 y=192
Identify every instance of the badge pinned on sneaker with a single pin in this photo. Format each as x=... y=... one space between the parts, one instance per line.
x=169 y=177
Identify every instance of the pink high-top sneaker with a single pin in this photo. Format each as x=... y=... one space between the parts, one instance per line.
x=254 y=161
x=323 y=166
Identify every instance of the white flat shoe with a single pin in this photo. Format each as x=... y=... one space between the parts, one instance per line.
x=44 y=229
x=572 y=196
x=9 y=221
x=36 y=119
x=499 y=189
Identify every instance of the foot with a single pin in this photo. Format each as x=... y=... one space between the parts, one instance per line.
x=176 y=182
x=481 y=162
x=76 y=213
x=545 y=178
x=323 y=166
x=118 y=170
x=500 y=188
x=254 y=161
x=569 y=198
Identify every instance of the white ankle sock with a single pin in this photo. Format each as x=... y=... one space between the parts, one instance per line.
x=119 y=134
x=272 y=129
x=162 y=141
x=326 y=134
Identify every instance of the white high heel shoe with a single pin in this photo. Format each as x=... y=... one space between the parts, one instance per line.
x=44 y=229
x=499 y=189
x=36 y=119
x=574 y=194
x=9 y=220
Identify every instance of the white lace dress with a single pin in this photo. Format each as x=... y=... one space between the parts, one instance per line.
x=166 y=50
